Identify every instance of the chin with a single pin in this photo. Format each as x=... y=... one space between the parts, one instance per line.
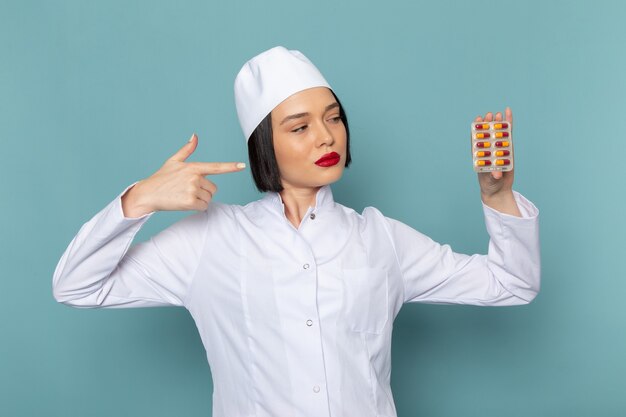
x=315 y=179
x=332 y=177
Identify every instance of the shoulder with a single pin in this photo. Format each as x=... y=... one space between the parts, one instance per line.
x=234 y=214
x=374 y=223
x=220 y=210
x=369 y=218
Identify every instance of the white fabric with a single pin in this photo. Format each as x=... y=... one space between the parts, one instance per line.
x=295 y=322
x=267 y=80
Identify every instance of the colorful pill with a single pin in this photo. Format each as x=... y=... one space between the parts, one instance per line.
x=482 y=154
x=483 y=163
x=482 y=126
x=502 y=134
x=500 y=143
x=482 y=135
x=503 y=162
x=503 y=153
x=501 y=126
x=483 y=144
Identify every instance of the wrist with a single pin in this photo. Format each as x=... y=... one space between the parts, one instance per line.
x=497 y=197
x=503 y=202
x=133 y=202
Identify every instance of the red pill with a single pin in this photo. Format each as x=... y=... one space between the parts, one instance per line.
x=501 y=126
x=502 y=134
x=482 y=135
x=483 y=144
x=482 y=154
x=503 y=153
x=502 y=144
x=482 y=126
x=483 y=163
x=503 y=162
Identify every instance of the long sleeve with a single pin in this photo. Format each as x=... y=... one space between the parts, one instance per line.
x=508 y=275
x=98 y=269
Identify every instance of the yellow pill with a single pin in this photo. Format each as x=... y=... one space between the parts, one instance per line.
x=503 y=153
x=501 y=126
x=502 y=134
x=483 y=163
x=482 y=154
x=501 y=162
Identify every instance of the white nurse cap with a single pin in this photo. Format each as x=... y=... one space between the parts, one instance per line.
x=267 y=80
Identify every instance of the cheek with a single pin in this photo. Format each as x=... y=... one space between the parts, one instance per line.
x=290 y=150
x=288 y=156
x=283 y=155
x=280 y=148
x=339 y=131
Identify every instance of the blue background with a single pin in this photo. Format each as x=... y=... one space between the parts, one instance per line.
x=96 y=95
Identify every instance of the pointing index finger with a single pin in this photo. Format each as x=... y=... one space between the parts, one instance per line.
x=213 y=168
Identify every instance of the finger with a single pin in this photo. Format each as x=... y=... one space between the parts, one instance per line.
x=478 y=119
x=184 y=152
x=192 y=202
x=204 y=195
x=498 y=117
x=489 y=117
x=496 y=175
x=208 y=185
x=213 y=168
x=508 y=114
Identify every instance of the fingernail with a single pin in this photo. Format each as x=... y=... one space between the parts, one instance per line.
x=241 y=165
x=191 y=138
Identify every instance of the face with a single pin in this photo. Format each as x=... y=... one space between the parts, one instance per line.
x=309 y=139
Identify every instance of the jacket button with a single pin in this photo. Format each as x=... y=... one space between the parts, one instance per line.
x=305 y=266
x=312 y=216
x=309 y=323
x=316 y=389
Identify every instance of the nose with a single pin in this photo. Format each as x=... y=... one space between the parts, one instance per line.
x=324 y=136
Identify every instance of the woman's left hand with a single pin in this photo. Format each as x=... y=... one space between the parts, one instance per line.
x=496 y=187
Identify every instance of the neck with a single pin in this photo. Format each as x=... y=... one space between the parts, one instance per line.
x=297 y=202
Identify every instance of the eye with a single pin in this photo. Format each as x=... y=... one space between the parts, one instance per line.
x=299 y=129
x=335 y=119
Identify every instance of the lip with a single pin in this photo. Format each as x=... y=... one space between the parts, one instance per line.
x=328 y=160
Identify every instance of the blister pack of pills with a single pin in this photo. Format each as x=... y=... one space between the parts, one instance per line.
x=492 y=146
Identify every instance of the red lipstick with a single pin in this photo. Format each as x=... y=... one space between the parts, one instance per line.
x=328 y=160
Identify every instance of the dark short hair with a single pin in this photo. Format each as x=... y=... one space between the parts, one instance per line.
x=262 y=157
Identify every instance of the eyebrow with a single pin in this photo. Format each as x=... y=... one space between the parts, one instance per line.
x=299 y=115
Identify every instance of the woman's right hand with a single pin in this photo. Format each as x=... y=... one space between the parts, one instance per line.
x=177 y=185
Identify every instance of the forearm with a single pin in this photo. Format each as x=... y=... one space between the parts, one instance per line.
x=93 y=255
x=502 y=202
x=133 y=205
x=514 y=249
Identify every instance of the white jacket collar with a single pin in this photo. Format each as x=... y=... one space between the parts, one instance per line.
x=323 y=199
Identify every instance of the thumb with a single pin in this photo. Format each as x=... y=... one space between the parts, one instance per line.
x=496 y=175
x=184 y=152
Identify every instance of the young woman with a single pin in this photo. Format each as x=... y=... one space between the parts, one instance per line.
x=294 y=295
